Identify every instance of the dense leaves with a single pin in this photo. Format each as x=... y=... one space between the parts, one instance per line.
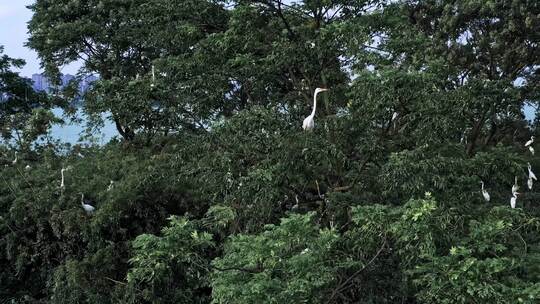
x=212 y=193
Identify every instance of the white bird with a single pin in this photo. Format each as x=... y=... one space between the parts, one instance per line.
x=153 y=76
x=530 y=142
x=513 y=200
x=14 y=162
x=62 y=171
x=88 y=208
x=531 y=149
x=111 y=185
x=485 y=193
x=515 y=187
x=531 y=174
x=395 y=115
x=309 y=122
x=464 y=136
x=530 y=183
x=27 y=168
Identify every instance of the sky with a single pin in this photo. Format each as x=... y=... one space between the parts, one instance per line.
x=14 y=17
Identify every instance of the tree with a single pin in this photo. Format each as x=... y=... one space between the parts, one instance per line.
x=120 y=40
x=216 y=194
x=24 y=114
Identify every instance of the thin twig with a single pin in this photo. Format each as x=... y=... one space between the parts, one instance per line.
x=344 y=284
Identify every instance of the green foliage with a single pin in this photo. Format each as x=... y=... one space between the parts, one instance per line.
x=214 y=192
x=493 y=262
x=284 y=264
x=24 y=115
x=171 y=268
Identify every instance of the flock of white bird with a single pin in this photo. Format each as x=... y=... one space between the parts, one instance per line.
x=530 y=180
x=309 y=124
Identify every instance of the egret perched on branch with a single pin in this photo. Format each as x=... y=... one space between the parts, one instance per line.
x=531 y=174
x=530 y=142
x=515 y=187
x=153 y=76
x=531 y=149
x=111 y=186
x=62 y=171
x=485 y=193
x=309 y=122
x=88 y=208
x=28 y=168
x=14 y=162
x=513 y=199
x=530 y=183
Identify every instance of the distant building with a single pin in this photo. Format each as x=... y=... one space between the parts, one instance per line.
x=40 y=82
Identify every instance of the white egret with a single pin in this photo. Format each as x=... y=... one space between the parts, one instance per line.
x=463 y=139
x=111 y=186
x=14 y=162
x=395 y=116
x=513 y=200
x=88 y=208
x=27 y=168
x=153 y=76
x=531 y=149
x=531 y=174
x=530 y=142
x=62 y=171
x=309 y=122
x=515 y=187
x=530 y=183
x=485 y=193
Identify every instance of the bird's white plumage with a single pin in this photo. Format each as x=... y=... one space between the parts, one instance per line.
x=530 y=183
x=309 y=122
x=531 y=173
x=513 y=202
x=395 y=115
x=531 y=149
x=485 y=193
x=62 y=171
x=530 y=142
x=88 y=208
x=515 y=186
x=111 y=185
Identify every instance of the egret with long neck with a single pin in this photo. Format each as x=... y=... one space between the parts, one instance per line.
x=62 y=171
x=485 y=193
x=88 y=208
x=515 y=186
x=309 y=122
x=513 y=199
x=531 y=173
